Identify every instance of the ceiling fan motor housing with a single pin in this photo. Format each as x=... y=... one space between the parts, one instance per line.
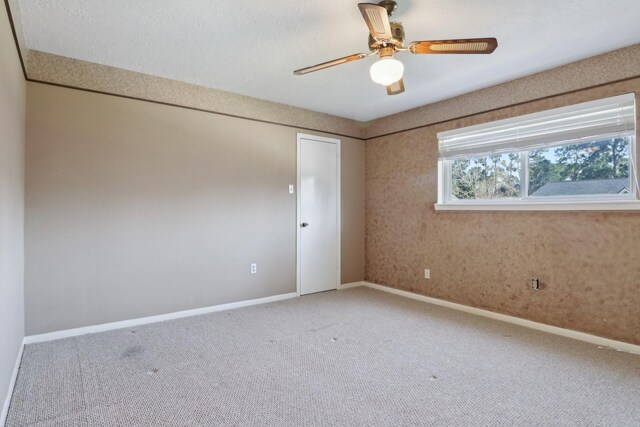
x=397 y=38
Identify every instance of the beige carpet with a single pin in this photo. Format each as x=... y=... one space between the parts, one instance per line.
x=350 y=358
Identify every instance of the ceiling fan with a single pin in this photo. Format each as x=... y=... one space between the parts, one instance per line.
x=386 y=38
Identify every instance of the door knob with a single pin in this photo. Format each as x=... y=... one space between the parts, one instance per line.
x=304 y=225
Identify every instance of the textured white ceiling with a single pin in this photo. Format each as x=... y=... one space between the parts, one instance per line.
x=252 y=47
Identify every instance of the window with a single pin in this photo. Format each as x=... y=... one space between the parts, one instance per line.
x=576 y=157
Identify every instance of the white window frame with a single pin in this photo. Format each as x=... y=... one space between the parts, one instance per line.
x=580 y=123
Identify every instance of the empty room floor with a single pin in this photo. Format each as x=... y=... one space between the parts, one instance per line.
x=358 y=357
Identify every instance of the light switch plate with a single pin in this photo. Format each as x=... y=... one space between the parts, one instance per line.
x=290 y=188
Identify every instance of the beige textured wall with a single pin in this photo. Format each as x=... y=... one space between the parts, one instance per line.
x=45 y=67
x=588 y=262
x=611 y=66
x=12 y=119
x=136 y=209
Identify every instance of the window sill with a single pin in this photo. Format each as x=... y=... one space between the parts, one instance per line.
x=610 y=205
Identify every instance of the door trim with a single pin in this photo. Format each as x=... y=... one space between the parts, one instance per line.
x=301 y=136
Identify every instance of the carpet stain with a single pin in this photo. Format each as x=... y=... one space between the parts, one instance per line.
x=132 y=352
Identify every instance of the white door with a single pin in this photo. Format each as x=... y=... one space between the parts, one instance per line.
x=318 y=214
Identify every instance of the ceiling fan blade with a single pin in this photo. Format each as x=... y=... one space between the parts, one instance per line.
x=333 y=63
x=486 y=45
x=395 y=88
x=377 y=20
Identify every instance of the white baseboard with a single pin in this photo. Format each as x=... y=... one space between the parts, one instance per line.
x=12 y=383
x=351 y=285
x=151 y=319
x=593 y=339
x=581 y=336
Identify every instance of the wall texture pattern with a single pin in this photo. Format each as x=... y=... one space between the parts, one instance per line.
x=588 y=262
x=56 y=69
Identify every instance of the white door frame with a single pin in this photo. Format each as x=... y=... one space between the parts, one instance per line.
x=301 y=136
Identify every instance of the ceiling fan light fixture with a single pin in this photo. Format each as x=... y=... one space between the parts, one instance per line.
x=386 y=39
x=387 y=70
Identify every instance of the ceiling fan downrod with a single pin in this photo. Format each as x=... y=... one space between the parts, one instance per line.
x=390 y=5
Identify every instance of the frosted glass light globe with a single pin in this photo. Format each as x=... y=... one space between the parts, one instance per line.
x=386 y=71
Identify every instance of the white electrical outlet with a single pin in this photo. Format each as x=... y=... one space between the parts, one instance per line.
x=290 y=188
x=427 y=273
x=254 y=268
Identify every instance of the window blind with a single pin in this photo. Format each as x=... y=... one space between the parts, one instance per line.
x=606 y=118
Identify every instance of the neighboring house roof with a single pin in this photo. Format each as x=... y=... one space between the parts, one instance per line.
x=576 y=188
